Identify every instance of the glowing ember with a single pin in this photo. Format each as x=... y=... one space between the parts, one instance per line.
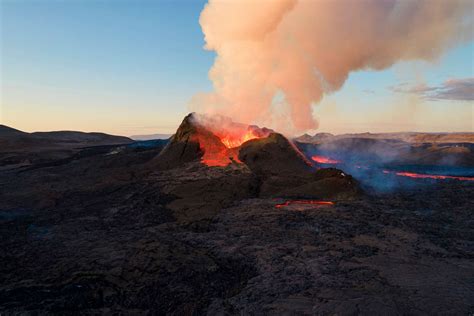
x=325 y=160
x=232 y=140
x=303 y=202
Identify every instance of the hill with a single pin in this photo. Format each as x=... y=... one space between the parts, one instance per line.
x=13 y=140
x=22 y=148
x=409 y=137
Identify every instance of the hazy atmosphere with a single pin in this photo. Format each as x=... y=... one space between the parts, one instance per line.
x=138 y=67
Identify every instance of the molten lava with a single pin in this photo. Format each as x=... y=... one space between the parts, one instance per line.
x=216 y=154
x=427 y=176
x=325 y=160
x=220 y=159
x=232 y=140
x=303 y=202
x=432 y=176
x=223 y=146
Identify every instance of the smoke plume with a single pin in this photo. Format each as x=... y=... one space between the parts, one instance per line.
x=275 y=54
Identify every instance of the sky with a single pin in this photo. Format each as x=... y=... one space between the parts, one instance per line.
x=132 y=67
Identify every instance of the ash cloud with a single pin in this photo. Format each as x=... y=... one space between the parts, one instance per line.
x=453 y=89
x=305 y=49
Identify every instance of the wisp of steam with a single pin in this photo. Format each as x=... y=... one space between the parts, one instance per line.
x=276 y=58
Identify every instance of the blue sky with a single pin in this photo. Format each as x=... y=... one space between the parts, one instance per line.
x=131 y=67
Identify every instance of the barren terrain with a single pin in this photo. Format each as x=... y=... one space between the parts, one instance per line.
x=107 y=231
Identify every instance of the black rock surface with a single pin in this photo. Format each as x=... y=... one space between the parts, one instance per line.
x=104 y=233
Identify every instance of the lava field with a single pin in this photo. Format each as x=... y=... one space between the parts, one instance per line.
x=254 y=227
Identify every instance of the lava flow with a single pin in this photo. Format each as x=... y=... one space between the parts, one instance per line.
x=303 y=202
x=429 y=176
x=325 y=160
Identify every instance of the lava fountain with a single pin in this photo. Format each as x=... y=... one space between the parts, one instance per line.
x=221 y=138
x=235 y=140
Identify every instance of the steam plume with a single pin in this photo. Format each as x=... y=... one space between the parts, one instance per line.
x=301 y=50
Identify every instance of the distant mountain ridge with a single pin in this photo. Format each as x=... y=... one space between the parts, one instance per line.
x=6 y=130
x=15 y=140
x=151 y=136
x=409 y=137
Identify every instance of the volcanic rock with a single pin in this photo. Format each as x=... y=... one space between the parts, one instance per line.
x=96 y=235
x=200 y=192
x=316 y=139
x=182 y=147
x=269 y=153
x=192 y=142
x=284 y=171
x=274 y=155
x=272 y=166
x=328 y=183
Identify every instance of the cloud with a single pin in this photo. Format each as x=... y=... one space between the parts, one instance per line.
x=452 y=89
x=303 y=50
x=456 y=89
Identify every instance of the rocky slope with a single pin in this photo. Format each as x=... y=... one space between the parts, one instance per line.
x=276 y=166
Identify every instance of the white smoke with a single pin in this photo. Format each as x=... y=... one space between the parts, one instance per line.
x=301 y=50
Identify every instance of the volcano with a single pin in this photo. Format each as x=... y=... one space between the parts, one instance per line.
x=214 y=141
x=278 y=166
x=219 y=142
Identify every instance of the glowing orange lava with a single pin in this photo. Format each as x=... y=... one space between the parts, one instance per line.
x=216 y=154
x=232 y=140
x=432 y=176
x=325 y=160
x=221 y=160
x=223 y=146
x=303 y=202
